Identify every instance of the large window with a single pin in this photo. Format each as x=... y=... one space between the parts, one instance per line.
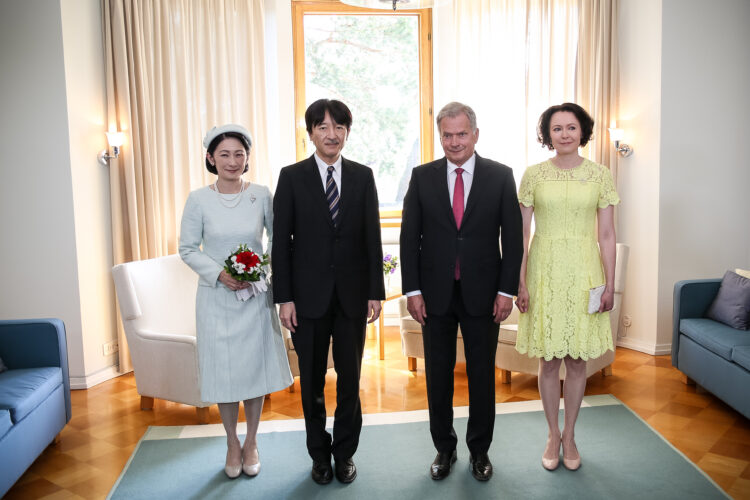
x=378 y=63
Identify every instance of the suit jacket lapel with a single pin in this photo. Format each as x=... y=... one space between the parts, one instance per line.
x=477 y=184
x=440 y=180
x=312 y=179
x=348 y=179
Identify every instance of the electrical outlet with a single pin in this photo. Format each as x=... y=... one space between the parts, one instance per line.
x=110 y=347
x=627 y=321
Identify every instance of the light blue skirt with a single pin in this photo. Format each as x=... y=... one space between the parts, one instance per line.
x=241 y=352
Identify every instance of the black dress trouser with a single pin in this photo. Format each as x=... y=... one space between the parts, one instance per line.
x=311 y=343
x=480 y=335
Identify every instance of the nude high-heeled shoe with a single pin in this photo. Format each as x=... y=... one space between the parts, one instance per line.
x=551 y=463
x=571 y=463
x=252 y=470
x=232 y=471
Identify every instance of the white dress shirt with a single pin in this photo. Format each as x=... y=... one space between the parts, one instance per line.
x=323 y=169
x=468 y=176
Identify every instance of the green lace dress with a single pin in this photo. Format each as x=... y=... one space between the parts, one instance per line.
x=564 y=261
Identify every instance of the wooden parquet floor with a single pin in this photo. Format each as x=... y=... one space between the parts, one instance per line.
x=107 y=421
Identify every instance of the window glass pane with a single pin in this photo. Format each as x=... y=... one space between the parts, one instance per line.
x=371 y=63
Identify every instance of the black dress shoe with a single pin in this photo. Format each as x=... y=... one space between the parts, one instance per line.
x=346 y=471
x=481 y=467
x=441 y=466
x=322 y=472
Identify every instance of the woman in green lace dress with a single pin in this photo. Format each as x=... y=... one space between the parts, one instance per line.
x=566 y=195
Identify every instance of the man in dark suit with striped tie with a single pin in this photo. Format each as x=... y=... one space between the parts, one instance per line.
x=327 y=264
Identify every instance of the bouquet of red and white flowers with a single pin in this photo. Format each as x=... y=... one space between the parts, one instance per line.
x=245 y=265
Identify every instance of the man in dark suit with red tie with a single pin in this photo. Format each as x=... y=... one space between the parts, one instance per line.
x=458 y=212
x=327 y=263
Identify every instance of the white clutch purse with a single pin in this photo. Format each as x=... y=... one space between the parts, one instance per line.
x=595 y=299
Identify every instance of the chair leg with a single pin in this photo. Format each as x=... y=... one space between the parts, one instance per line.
x=412 y=363
x=147 y=403
x=689 y=381
x=505 y=376
x=607 y=371
x=202 y=414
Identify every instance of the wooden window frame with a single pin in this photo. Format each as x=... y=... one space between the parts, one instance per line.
x=424 y=19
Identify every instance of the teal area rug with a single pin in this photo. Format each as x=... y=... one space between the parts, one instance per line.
x=622 y=458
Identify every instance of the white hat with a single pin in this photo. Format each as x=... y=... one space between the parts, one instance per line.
x=229 y=127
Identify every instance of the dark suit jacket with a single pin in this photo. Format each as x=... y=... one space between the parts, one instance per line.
x=310 y=257
x=430 y=240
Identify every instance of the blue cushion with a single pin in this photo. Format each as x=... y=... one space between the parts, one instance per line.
x=5 y=423
x=741 y=356
x=23 y=390
x=714 y=336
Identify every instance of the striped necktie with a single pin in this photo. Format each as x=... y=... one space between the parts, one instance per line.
x=332 y=195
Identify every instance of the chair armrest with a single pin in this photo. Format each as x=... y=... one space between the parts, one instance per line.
x=691 y=299
x=165 y=337
x=34 y=343
x=513 y=317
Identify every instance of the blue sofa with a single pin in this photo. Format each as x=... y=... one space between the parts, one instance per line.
x=714 y=355
x=34 y=392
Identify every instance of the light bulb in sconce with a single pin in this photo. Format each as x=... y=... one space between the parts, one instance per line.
x=115 y=140
x=616 y=135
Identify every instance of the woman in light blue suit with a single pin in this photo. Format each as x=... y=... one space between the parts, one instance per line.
x=240 y=348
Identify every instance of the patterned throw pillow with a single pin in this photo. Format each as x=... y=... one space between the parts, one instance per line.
x=732 y=304
x=743 y=272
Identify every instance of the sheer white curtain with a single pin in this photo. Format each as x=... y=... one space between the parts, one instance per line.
x=512 y=59
x=174 y=69
x=509 y=60
x=598 y=75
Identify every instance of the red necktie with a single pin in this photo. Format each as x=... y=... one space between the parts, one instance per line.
x=458 y=208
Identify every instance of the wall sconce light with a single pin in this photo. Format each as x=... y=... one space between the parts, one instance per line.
x=615 y=135
x=115 y=140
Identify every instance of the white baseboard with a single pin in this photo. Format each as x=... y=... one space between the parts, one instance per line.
x=96 y=378
x=647 y=347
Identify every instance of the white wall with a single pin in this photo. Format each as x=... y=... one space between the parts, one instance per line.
x=54 y=198
x=38 y=253
x=705 y=171
x=86 y=102
x=639 y=25
x=684 y=104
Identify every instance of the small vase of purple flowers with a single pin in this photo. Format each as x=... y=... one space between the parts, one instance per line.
x=390 y=264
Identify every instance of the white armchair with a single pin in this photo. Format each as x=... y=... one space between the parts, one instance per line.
x=157 y=306
x=509 y=360
x=411 y=338
x=292 y=355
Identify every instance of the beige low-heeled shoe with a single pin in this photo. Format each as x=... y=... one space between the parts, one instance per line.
x=232 y=471
x=251 y=470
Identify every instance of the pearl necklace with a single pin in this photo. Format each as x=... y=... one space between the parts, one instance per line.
x=229 y=202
